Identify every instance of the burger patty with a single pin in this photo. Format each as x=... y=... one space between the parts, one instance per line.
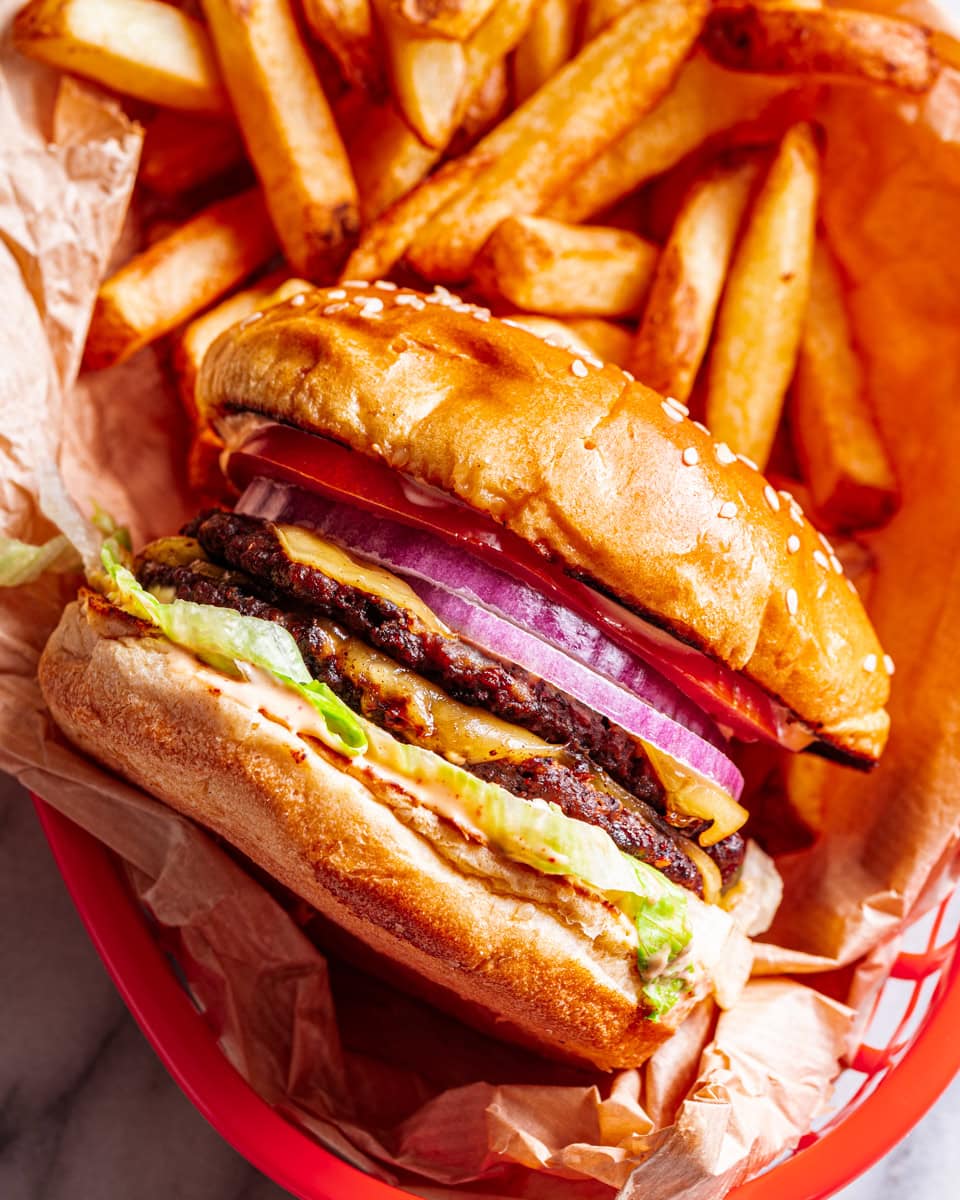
x=573 y=783
x=466 y=673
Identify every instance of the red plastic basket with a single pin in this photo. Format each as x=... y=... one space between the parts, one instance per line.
x=889 y=1086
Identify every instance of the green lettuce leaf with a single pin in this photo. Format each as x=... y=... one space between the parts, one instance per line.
x=225 y=638
x=542 y=836
x=22 y=563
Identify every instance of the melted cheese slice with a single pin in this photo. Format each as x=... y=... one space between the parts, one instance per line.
x=302 y=546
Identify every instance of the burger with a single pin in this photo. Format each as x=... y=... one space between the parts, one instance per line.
x=461 y=665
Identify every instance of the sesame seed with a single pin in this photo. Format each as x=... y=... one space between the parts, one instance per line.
x=410 y=300
x=728 y=509
x=250 y=320
x=825 y=543
x=548 y=341
x=748 y=462
x=889 y=664
x=851 y=585
x=594 y=362
x=793 y=543
x=385 y=285
x=671 y=412
x=299 y=299
x=786 y=497
x=461 y=306
x=793 y=601
x=672 y=400
x=703 y=429
x=371 y=307
x=579 y=369
x=796 y=513
x=771 y=497
x=690 y=456
x=353 y=283
x=629 y=377
x=821 y=559
x=822 y=588
x=480 y=314
x=512 y=324
x=336 y=294
x=836 y=564
x=870 y=662
x=330 y=309
x=724 y=454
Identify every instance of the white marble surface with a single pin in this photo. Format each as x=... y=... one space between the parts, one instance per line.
x=87 y=1112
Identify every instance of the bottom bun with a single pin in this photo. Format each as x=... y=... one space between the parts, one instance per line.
x=531 y=958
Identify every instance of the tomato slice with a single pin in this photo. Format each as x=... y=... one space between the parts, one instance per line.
x=289 y=455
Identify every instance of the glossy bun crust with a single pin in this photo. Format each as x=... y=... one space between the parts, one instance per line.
x=525 y=956
x=594 y=469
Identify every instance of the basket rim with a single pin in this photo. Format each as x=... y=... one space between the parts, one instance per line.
x=289 y=1156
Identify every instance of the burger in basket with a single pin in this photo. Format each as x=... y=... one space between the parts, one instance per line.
x=461 y=665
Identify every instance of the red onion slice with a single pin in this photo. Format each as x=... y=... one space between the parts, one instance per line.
x=510 y=620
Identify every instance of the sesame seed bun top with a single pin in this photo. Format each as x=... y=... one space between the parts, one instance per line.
x=591 y=467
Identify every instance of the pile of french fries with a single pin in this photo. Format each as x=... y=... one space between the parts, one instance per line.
x=636 y=180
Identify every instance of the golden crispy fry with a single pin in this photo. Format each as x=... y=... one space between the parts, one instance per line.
x=704 y=101
x=387 y=157
x=486 y=107
x=457 y=19
x=849 y=472
x=545 y=47
x=202 y=332
x=548 y=267
x=143 y=48
x=828 y=42
x=590 y=337
x=609 y=341
x=611 y=83
x=428 y=77
x=179 y=276
x=346 y=28
x=385 y=242
x=387 y=239
x=179 y=152
x=946 y=48
x=673 y=334
x=598 y=14
x=288 y=128
x=758 y=328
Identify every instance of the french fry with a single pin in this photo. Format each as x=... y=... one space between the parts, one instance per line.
x=829 y=42
x=673 y=334
x=428 y=77
x=598 y=14
x=204 y=330
x=289 y=130
x=180 y=153
x=594 y=99
x=704 y=101
x=386 y=240
x=851 y=479
x=545 y=47
x=590 y=337
x=179 y=276
x=487 y=105
x=546 y=266
x=142 y=48
x=387 y=157
x=761 y=314
x=346 y=28
x=609 y=341
x=457 y=19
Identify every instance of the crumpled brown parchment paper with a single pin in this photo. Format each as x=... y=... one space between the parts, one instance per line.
x=392 y=1086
